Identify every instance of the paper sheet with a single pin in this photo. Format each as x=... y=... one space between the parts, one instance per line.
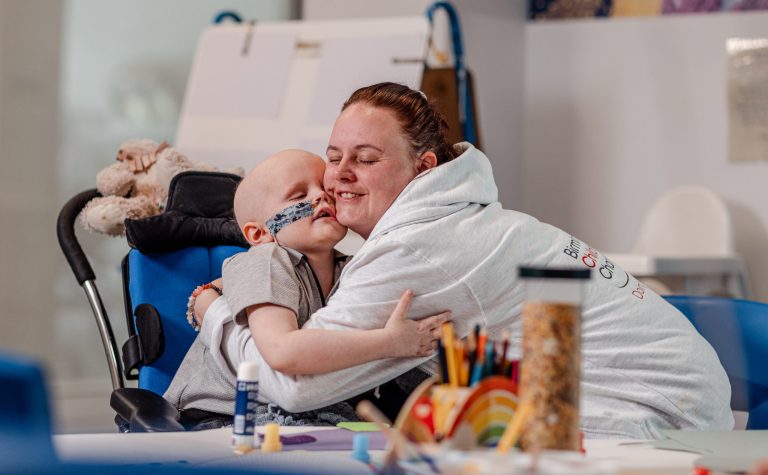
x=304 y=462
x=338 y=439
x=359 y=426
x=240 y=72
x=287 y=90
x=721 y=449
x=348 y=65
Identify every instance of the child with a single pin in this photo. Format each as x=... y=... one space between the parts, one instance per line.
x=275 y=286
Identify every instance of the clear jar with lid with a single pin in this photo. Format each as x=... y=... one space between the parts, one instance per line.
x=551 y=364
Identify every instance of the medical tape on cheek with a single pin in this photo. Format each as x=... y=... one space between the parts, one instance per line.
x=289 y=215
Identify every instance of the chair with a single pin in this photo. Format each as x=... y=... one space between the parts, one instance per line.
x=688 y=221
x=25 y=421
x=738 y=331
x=687 y=233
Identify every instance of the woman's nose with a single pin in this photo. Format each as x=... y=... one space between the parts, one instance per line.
x=344 y=171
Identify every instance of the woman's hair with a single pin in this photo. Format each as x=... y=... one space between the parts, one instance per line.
x=423 y=125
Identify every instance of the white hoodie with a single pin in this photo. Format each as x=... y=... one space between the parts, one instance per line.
x=446 y=237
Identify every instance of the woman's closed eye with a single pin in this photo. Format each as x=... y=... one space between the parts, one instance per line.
x=362 y=159
x=366 y=159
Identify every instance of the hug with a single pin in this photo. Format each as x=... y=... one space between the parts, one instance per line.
x=328 y=330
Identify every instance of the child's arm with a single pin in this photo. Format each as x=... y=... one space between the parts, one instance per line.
x=204 y=300
x=293 y=351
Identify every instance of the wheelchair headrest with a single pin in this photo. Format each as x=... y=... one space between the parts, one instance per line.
x=198 y=213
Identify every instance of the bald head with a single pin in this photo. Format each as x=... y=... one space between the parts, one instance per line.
x=263 y=185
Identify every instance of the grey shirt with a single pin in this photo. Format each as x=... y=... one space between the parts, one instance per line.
x=273 y=274
x=266 y=273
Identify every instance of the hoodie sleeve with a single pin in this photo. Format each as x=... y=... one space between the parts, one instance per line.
x=368 y=292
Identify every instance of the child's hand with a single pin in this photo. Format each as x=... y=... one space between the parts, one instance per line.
x=410 y=337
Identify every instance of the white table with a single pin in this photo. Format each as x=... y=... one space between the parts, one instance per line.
x=213 y=446
x=697 y=272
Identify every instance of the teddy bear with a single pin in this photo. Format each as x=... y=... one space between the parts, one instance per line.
x=136 y=186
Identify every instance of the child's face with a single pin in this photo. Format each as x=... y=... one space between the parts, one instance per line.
x=294 y=180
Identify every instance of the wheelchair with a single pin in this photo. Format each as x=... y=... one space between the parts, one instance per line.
x=170 y=255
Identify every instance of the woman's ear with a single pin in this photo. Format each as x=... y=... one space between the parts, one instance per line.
x=427 y=160
x=256 y=234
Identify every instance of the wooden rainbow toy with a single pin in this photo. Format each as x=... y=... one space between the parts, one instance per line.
x=466 y=417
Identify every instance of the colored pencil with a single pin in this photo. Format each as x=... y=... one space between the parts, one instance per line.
x=481 y=344
x=515 y=427
x=401 y=447
x=443 y=362
x=477 y=370
x=450 y=353
x=504 y=348
x=490 y=357
x=471 y=349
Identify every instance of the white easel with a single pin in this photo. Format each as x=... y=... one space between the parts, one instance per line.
x=258 y=88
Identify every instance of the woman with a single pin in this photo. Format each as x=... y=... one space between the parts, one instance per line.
x=431 y=220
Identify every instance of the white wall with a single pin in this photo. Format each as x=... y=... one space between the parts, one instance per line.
x=124 y=71
x=493 y=37
x=61 y=63
x=29 y=74
x=124 y=67
x=619 y=111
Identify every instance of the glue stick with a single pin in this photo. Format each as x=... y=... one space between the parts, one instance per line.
x=244 y=438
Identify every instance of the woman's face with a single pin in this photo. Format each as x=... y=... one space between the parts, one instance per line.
x=369 y=164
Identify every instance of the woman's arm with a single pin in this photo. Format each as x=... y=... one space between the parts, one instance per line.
x=365 y=299
x=294 y=351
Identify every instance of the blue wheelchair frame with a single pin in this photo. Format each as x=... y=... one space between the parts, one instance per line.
x=165 y=281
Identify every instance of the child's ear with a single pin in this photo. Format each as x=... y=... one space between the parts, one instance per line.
x=256 y=234
x=427 y=160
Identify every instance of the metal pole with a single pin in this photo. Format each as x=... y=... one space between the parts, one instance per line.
x=105 y=331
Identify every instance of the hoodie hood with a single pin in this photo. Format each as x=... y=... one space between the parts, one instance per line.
x=442 y=190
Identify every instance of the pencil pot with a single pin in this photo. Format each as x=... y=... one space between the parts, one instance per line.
x=550 y=371
x=463 y=417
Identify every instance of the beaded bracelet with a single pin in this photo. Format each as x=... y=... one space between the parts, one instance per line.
x=191 y=303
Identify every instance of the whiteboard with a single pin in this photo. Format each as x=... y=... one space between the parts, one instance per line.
x=257 y=89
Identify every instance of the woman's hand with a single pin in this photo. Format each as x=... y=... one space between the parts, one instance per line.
x=205 y=299
x=411 y=337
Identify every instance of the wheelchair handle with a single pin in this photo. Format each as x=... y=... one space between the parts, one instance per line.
x=65 y=231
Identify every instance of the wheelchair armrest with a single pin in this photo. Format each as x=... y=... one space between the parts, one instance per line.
x=145 y=411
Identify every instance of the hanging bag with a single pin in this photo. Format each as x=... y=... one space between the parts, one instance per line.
x=452 y=88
